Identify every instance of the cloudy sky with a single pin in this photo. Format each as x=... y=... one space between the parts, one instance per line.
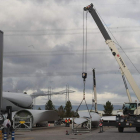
x=43 y=45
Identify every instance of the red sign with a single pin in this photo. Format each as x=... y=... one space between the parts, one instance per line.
x=100 y=124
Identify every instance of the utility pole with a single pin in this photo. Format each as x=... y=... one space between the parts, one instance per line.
x=1 y=68
x=68 y=93
x=50 y=93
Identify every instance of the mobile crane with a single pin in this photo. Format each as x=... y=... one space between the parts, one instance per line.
x=131 y=110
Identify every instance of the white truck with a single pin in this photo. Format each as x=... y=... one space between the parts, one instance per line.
x=131 y=110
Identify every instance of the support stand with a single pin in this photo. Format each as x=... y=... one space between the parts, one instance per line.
x=77 y=128
x=86 y=126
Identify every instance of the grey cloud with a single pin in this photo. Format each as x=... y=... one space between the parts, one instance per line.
x=43 y=46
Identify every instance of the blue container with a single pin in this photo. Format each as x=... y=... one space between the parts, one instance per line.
x=5 y=136
x=13 y=135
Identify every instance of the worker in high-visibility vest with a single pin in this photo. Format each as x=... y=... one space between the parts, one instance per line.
x=66 y=122
x=100 y=125
x=69 y=122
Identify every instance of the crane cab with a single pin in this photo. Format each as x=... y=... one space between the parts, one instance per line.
x=131 y=108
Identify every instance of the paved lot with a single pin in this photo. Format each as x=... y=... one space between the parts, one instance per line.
x=59 y=133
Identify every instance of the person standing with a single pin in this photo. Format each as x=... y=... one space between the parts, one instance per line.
x=7 y=125
x=100 y=125
x=69 y=122
x=66 y=122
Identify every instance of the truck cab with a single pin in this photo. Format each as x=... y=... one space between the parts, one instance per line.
x=129 y=108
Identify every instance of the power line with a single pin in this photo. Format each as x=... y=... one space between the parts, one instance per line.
x=67 y=29
x=59 y=51
x=48 y=34
x=49 y=74
x=74 y=52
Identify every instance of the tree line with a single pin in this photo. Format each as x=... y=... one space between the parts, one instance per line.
x=63 y=111
x=66 y=111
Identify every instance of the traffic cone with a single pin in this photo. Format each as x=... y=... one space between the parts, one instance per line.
x=49 y=124
x=67 y=132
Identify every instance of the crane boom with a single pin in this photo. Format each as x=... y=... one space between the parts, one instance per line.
x=114 y=50
x=126 y=87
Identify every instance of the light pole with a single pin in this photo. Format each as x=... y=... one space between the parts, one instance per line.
x=1 y=75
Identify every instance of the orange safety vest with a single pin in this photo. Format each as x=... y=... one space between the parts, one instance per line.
x=66 y=121
x=100 y=124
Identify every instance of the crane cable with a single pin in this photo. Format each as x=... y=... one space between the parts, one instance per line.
x=84 y=63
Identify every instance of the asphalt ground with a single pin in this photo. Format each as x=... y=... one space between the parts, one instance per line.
x=59 y=133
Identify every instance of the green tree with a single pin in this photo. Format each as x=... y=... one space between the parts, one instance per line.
x=68 y=109
x=74 y=114
x=39 y=108
x=61 y=112
x=49 y=105
x=108 y=108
